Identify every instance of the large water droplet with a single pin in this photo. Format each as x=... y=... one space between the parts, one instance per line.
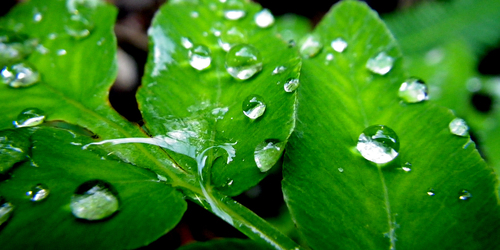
x=29 y=117
x=380 y=64
x=264 y=18
x=310 y=45
x=14 y=147
x=378 y=143
x=6 y=209
x=243 y=61
x=339 y=45
x=267 y=153
x=38 y=192
x=464 y=195
x=430 y=192
x=291 y=84
x=231 y=36
x=254 y=107
x=19 y=75
x=15 y=47
x=199 y=57
x=459 y=127
x=78 y=26
x=413 y=90
x=234 y=10
x=279 y=70
x=94 y=200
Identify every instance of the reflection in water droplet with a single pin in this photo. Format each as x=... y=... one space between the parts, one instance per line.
x=19 y=75
x=264 y=18
x=254 y=107
x=378 y=143
x=94 y=200
x=430 y=192
x=231 y=36
x=406 y=167
x=340 y=170
x=199 y=57
x=38 y=192
x=13 y=149
x=29 y=117
x=279 y=70
x=234 y=10
x=267 y=153
x=78 y=26
x=37 y=17
x=413 y=90
x=380 y=64
x=61 y=52
x=243 y=61
x=291 y=84
x=329 y=57
x=6 y=209
x=459 y=127
x=310 y=45
x=186 y=42
x=464 y=195
x=339 y=45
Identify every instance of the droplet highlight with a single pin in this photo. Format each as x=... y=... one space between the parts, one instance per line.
x=310 y=45
x=19 y=75
x=291 y=85
x=380 y=64
x=94 y=200
x=430 y=192
x=267 y=153
x=6 y=209
x=464 y=195
x=378 y=144
x=243 y=61
x=234 y=10
x=39 y=192
x=199 y=57
x=78 y=26
x=413 y=90
x=29 y=117
x=406 y=167
x=264 y=18
x=339 y=45
x=459 y=127
x=278 y=70
x=254 y=106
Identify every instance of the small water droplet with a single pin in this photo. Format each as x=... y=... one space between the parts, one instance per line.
x=459 y=127
x=267 y=153
x=413 y=90
x=279 y=70
x=61 y=52
x=6 y=209
x=199 y=57
x=291 y=85
x=264 y=18
x=186 y=42
x=52 y=36
x=234 y=10
x=13 y=148
x=230 y=183
x=341 y=170
x=380 y=64
x=378 y=143
x=29 y=117
x=19 y=75
x=194 y=14
x=243 y=61
x=254 y=107
x=329 y=57
x=430 y=192
x=339 y=45
x=464 y=195
x=94 y=200
x=406 y=167
x=161 y=178
x=38 y=192
x=310 y=45
x=37 y=17
x=230 y=37
x=78 y=26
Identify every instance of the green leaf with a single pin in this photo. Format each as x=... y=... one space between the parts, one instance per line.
x=198 y=109
x=340 y=200
x=228 y=244
x=433 y=23
x=293 y=27
x=148 y=207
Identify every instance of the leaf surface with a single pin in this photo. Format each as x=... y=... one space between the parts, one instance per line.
x=228 y=244
x=340 y=200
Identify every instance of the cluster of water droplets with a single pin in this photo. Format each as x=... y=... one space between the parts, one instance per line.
x=243 y=61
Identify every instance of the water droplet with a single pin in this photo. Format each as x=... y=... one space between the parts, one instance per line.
x=61 y=52
x=52 y=36
x=413 y=90
x=329 y=57
x=243 y=61
x=339 y=45
x=380 y=64
x=341 y=170
x=231 y=36
x=291 y=84
x=6 y=209
x=234 y=10
x=279 y=70
x=310 y=45
x=199 y=57
x=15 y=47
x=230 y=183
x=464 y=195
x=378 y=143
x=19 y=75
x=406 y=167
x=264 y=18
x=37 y=17
x=194 y=14
x=94 y=200
x=291 y=43
x=254 y=107
x=186 y=42
x=459 y=127
x=38 y=192
x=29 y=117
x=267 y=153
x=13 y=148
x=78 y=26
x=430 y=192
